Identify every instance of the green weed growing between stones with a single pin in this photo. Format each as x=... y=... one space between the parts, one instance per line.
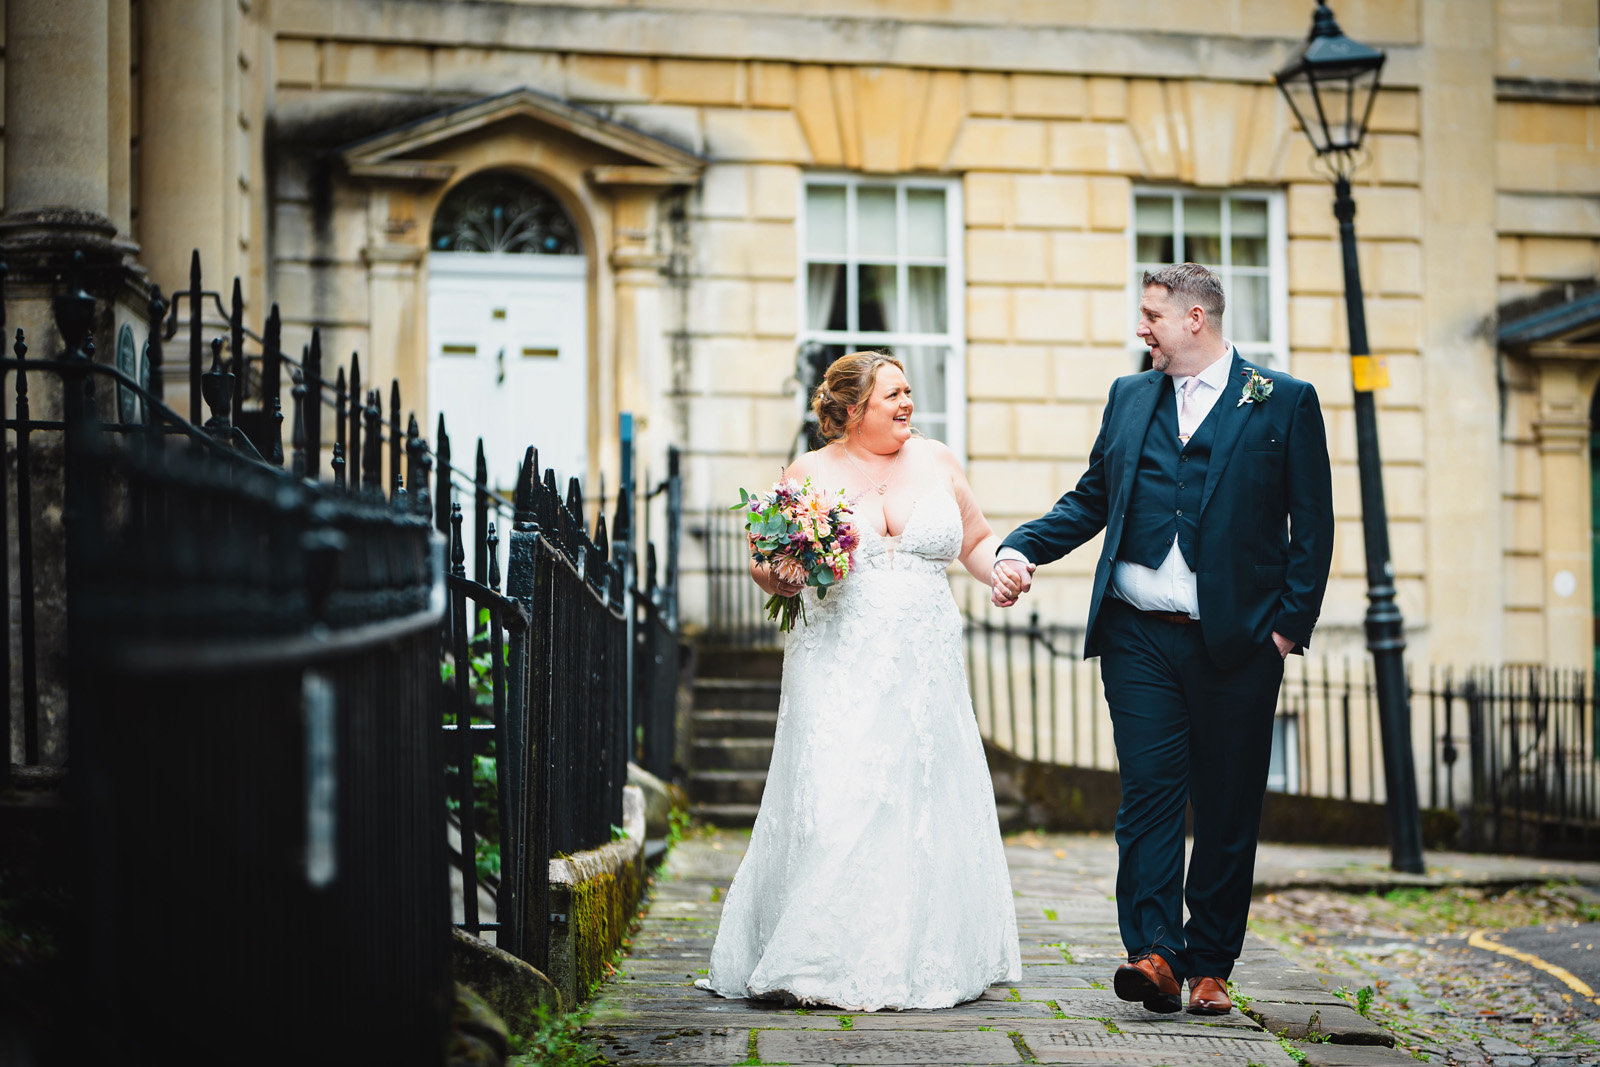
x=1295 y=1054
x=555 y=1042
x=1050 y=914
x=1022 y=1047
x=1061 y=947
x=1109 y=1024
x=846 y=1022
x=677 y=826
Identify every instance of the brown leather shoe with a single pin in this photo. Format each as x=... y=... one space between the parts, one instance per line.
x=1209 y=996
x=1149 y=979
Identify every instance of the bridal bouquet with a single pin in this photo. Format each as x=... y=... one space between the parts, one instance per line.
x=804 y=535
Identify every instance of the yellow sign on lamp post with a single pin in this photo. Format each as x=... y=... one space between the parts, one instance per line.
x=1369 y=373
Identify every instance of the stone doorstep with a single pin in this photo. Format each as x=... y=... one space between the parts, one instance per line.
x=1343 y=1025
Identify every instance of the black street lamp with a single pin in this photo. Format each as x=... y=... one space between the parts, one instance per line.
x=1330 y=84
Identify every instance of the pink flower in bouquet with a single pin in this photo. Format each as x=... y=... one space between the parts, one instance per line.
x=800 y=532
x=790 y=570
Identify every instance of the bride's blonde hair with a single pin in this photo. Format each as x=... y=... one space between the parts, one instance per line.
x=847 y=384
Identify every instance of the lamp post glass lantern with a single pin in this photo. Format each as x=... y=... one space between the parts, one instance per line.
x=1330 y=84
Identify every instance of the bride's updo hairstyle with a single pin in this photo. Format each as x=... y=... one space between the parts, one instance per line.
x=848 y=384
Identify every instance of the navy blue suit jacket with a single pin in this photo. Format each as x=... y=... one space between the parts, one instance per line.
x=1266 y=511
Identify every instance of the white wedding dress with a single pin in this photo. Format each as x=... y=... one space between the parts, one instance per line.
x=875 y=876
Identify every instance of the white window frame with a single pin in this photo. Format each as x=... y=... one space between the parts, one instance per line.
x=1283 y=772
x=1273 y=352
x=954 y=339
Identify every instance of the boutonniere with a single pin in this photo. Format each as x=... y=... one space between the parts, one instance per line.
x=1256 y=389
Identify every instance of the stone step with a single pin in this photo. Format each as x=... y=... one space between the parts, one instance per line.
x=712 y=724
x=727 y=787
x=731 y=754
x=736 y=694
x=732 y=661
x=725 y=814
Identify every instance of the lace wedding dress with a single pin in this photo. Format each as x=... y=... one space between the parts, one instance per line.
x=875 y=876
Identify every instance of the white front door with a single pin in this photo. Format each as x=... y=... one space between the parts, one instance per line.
x=508 y=360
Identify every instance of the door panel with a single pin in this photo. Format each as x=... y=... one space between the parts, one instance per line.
x=508 y=360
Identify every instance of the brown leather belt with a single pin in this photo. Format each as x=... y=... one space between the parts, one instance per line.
x=1176 y=618
x=1166 y=616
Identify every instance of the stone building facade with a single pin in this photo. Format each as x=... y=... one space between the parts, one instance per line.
x=726 y=188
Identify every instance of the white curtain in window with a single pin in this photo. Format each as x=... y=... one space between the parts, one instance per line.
x=925 y=291
x=822 y=287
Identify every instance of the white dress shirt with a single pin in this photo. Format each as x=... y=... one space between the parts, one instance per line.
x=1170 y=587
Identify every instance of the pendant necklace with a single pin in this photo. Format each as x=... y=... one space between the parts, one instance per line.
x=881 y=488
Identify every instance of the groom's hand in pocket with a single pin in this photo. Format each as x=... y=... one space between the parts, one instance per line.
x=1012 y=578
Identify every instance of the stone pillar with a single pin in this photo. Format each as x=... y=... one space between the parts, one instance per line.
x=57 y=172
x=119 y=115
x=182 y=130
x=398 y=316
x=56 y=106
x=1563 y=434
x=637 y=368
x=1461 y=411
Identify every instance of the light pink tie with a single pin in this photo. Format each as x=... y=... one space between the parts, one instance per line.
x=1189 y=411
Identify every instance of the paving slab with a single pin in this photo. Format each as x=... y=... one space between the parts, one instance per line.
x=1061 y=1011
x=916 y=1046
x=1331 y=1055
x=1341 y=1024
x=1081 y=1048
x=679 y=1045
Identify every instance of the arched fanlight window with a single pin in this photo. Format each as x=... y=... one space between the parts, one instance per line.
x=500 y=212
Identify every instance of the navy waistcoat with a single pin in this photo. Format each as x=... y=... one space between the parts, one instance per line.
x=1166 y=491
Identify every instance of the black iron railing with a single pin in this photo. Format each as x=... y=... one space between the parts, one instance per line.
x=253 y=654
x=245 y=664
x=1534 y=771
x=734 y=603
x=1511 y=749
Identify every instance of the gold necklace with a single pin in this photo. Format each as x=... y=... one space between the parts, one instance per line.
x=881 y=488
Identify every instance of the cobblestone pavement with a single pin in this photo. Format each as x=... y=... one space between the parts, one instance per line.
x=1439 y=985
x=1061 y=1012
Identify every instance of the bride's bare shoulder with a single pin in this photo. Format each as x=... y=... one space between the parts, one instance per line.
x=807 y=464
x=934 y=449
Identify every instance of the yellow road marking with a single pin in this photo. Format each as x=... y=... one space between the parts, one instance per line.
x=1478 y=940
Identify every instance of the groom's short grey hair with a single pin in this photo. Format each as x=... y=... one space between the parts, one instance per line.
x=1192 y=284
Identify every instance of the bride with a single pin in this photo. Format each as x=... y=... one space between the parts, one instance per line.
x=875 y=876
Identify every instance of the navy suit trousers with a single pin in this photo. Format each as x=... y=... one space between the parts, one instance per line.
x=1186 y=732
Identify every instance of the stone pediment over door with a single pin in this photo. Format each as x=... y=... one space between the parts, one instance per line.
x=609 y=178
x=420 y=151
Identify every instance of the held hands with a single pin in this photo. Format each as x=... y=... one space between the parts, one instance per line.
x=1012 y=578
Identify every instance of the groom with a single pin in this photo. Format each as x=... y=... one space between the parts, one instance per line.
x=1210 y=479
